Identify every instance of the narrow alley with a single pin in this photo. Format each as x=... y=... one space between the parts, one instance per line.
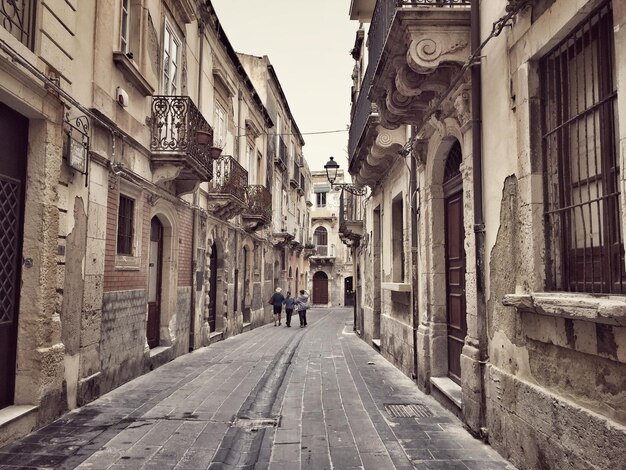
x=275 y=397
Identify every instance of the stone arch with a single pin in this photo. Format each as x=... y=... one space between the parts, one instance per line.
x=215 y=242
x=435 y=248
x=168 y=217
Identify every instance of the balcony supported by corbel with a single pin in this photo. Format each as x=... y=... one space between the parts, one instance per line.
x=180 y=144
x=227 y=190
x=376 y=154
x=420 y=63
x=258 y=213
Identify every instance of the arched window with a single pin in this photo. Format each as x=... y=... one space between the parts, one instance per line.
x=320 y=237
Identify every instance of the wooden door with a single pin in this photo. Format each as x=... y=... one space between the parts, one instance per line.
x=14 y=138
x=154 y=282
x=455 y=282
x=320 y=288
x=213 y=288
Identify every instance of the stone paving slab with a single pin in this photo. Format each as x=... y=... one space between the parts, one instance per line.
x=322 y=387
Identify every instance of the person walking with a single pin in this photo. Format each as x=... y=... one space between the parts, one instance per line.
x=277 y=300
x=303 y=303
x=290 y=303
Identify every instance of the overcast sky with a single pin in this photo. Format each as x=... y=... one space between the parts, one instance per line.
x=309 y=44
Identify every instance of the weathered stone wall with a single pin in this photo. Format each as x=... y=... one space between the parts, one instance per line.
x=536 y=429
x=396 y=338
x=123 y=334
x=183 y=319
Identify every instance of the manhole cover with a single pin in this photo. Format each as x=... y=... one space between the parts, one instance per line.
x=408 y=410
x=252 y=424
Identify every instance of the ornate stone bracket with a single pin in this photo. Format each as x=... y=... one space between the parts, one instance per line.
x=428 y=51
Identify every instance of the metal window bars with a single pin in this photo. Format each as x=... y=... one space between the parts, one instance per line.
x=585 y=249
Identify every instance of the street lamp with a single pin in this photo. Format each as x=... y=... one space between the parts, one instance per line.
x=331 y=168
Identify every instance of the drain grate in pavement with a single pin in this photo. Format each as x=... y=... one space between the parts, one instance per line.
x=408 y=410
x=254 y=424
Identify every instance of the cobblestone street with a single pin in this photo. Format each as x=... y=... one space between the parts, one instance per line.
x=276 y=397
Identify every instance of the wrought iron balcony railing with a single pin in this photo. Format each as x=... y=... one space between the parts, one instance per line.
x=382 y=20
x=17 y=17
x=229 y=177
x=302 y=186
x=259 y=211
x=281 y=157
x=175 y=126
x=295 y=176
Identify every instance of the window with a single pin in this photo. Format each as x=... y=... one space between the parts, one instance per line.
x=124 y=26
x=397 y=238
x=252 y=164
x=219 y=130
x=583 y=219
x=125 y=223
x=320 y=238
x=320 y=199
x=171 y=60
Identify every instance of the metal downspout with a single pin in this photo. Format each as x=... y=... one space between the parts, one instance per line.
x=194 y=224
x=414 y=258
x=479 y=224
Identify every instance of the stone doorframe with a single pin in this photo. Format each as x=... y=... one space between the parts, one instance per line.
x=433 y=328
x=168 y=217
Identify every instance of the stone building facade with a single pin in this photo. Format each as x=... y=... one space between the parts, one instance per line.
x=135 y=197
x=490 y=136
x=331 y=278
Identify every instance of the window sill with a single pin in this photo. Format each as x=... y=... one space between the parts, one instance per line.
x=396 y=286
x=132 y=74
x=608 y=310
x=127 y=263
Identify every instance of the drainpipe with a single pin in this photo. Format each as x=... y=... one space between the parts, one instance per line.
x=479 y=223
x=194 y=223
x=413 y=201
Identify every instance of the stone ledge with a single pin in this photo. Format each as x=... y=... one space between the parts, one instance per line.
x=609 y=310
x=396 y=286
x=17 y=421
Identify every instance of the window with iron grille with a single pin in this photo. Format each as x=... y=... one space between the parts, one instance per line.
x=584 y=240
x=125 y=220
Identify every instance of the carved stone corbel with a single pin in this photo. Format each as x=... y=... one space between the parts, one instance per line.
x=427 y=51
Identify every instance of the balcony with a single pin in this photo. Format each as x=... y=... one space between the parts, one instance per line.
x=177 y=156
x=416 y=50
x=281 y=157
x=350 y=220
x=258 y=213
x=227 y=190
x=18 y=18
x=294 y=181
x=322 y=256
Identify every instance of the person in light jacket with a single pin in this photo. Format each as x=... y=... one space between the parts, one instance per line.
x=303 y=304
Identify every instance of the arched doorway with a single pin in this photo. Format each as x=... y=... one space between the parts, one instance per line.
x=245 y=306
x=213 y=288
x=320 y=288
x=155 y=275
x=14 y=135
x=297 y=289
x=348 y=291
x=455 y=261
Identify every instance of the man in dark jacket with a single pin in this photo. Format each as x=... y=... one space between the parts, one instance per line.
x=277 y=300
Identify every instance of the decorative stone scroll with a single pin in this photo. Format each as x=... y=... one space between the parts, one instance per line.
x=427 y=51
